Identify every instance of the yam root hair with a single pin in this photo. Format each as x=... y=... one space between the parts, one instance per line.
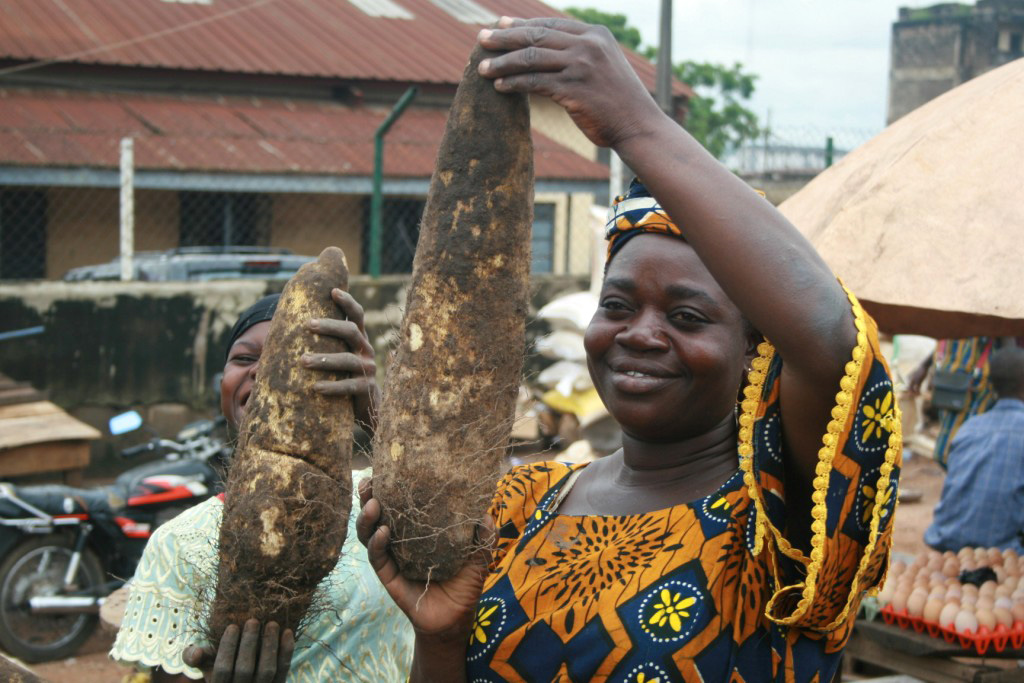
x=289 y=488
x=449 y=398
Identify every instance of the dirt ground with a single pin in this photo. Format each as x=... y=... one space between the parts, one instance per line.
x=913 y=515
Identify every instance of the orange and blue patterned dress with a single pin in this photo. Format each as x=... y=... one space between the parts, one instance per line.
x=711 y=590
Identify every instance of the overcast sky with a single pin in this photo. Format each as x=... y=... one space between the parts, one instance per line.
x=823 y=64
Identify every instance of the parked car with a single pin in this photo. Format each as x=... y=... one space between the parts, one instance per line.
x=199 y=263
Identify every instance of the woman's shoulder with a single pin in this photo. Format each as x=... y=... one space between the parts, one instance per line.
x=523 y=488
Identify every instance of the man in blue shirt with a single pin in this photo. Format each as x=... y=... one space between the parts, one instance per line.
x=982 y=500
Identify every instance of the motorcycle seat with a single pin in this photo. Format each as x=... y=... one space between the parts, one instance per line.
x=65 y=500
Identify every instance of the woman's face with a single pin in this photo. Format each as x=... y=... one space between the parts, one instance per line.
x=667 y=348
x=240 y=372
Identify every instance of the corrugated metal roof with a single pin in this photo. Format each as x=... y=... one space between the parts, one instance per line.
x=53 y=128
x=319 y=38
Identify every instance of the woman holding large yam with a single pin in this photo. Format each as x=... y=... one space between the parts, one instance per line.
x=749 y=509
x=360 y=636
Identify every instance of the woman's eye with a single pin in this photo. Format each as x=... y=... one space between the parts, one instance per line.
x=613 y=305
x=244 y=360
x=688 y=317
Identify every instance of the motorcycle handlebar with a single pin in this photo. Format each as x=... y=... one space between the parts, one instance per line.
x=138 y=450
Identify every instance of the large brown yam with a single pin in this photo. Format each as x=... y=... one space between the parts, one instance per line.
x=289 y=489
x=449 y=397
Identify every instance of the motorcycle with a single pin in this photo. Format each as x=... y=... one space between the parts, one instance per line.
x=66 y=549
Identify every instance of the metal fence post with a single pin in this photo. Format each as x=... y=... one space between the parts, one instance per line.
x=127 y=207
x=377 y=199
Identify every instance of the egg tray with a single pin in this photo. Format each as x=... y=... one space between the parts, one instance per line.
x=999 y=640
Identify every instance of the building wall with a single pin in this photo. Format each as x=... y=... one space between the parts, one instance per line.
x=81 y=228
x=306 y=223
x=935 y=49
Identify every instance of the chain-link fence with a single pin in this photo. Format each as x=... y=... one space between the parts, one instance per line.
x=251 y=221
x=64 y=225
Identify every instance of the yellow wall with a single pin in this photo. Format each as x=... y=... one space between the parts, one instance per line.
x=81 y=228
x=551 y=120
x=306 y=223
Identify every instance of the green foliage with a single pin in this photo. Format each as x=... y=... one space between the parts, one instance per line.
x=717 y=117
x=616 y=23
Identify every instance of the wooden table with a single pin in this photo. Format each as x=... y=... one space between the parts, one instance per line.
x=38 y=437
x=930 y=659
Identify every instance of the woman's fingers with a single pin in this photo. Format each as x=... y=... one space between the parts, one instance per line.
x=347 y=331
x=199 y=657
x=349 y=306
x=369 y=516
x=266 y=669
x=348 y=363
x=248 y=651
x=224 y=664
x=284 y=655
x=354 y=386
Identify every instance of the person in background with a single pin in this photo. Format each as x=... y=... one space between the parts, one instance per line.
x=982 y=503
x=968 y=357
x=361 y=636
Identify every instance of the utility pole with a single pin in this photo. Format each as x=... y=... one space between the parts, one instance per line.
x=663 y=75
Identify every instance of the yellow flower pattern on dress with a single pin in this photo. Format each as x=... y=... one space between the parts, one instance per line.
x=672 y=609
x=720 y=503
x=869 y=499
x=642 y=678
x=879 y=417
x=481 y=622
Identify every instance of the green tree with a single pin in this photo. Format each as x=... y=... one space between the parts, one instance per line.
x=717 y=117
x=616 y=23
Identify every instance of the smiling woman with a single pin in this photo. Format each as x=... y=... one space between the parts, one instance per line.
x=734 y=534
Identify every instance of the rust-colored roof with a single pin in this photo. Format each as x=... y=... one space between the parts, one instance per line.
x=318 y=38
x=53 y=128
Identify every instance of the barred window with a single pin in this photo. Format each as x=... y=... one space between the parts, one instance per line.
x=543 y=241
x=224 y=218
x=22 y=234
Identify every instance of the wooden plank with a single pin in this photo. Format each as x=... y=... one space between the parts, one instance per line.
x=28 y=409
x=46 y=457
x=20 y=394
x=21 y=431
x=931 y=669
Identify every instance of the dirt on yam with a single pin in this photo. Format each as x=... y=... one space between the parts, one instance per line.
x=289 y=485
x=449 y=396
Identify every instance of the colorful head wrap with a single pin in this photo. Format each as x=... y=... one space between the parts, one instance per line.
x=635 y=213
x=259 y=312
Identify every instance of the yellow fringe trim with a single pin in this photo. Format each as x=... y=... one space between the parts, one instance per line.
x=753 y=395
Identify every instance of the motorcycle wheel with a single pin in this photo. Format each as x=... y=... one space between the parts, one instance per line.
x=36 y=568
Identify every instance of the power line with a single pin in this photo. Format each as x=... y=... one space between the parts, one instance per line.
x=133 y=41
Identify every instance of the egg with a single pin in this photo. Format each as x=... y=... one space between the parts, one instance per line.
x=1004 y=603
x=1003 y=616
x=969 y=589
x=954 y=591
x=965 y=622
x=899 y=600
x=1000 y=573
x=897 y=567
x=933 y=608
x=948 y=615
x=915 y=603
x=986 y=619
x=984 y=602
x=968 y=600
x=1003 y=591
x=988 y=588
x=1018 y=612
x=994 y=556
x=951 y=568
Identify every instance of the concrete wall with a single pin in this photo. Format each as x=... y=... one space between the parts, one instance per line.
x=156 y=347
x=935 y=49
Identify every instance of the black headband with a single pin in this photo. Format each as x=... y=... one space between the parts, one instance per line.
x=259 y=312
